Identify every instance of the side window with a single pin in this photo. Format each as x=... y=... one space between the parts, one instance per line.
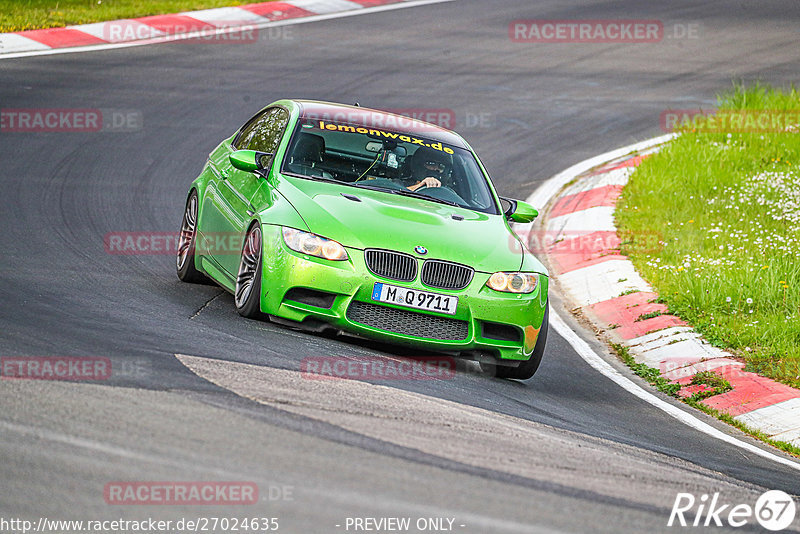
x=244 y=136
x=264 y=133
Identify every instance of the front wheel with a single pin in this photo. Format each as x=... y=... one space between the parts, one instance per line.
x=247 y=295
x=527 y=369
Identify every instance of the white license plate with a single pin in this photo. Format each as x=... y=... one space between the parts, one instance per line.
x=412 y=298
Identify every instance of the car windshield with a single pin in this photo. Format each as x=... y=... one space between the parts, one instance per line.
x=376 y=158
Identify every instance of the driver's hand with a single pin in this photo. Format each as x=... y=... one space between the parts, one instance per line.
x=430 y=181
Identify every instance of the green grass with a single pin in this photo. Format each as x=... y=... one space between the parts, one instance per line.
x=712 y=380
x=651 y=375
x=18 y=15
x=651 y=315
x=727 y=208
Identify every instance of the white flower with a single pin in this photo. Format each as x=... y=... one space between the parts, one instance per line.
x=728 y=299
x=749 y=301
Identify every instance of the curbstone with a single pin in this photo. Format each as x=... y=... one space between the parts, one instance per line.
x=609 y=291
x=172 y=27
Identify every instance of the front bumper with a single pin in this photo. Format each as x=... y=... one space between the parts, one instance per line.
x=504 y=325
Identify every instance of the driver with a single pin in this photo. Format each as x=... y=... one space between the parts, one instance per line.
x=428 y=167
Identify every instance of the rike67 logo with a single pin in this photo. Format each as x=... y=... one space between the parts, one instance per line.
x=774 y=510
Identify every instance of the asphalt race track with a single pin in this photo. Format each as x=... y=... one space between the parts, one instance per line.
x=568 y=451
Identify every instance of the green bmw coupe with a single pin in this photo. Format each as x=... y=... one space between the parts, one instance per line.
x=342 y=218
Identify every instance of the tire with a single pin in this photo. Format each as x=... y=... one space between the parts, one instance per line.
x=184 y=262
x=526 y=369
x=247 y=295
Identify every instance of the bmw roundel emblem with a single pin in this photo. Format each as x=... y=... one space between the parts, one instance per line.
x=419 y=249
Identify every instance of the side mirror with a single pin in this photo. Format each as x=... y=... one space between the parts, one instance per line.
x=519 y=211
x=250 y=160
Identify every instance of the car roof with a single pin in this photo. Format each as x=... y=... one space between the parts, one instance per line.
x=376 y=118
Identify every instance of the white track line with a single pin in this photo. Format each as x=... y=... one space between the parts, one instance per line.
x=222 y=31
x=541 y=197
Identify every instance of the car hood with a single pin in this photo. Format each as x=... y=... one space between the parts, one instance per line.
x=386 y=221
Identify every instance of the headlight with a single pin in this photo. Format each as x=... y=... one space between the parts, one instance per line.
x=513 y=282
x=313 y=245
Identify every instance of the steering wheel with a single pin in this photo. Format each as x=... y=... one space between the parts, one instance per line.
x=423 y=187
x=441 y=193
